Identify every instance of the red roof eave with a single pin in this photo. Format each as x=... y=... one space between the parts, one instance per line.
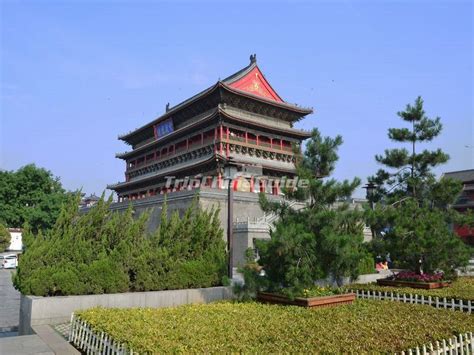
x=284 y=105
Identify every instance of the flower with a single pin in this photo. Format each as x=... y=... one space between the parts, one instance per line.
x=413 y=276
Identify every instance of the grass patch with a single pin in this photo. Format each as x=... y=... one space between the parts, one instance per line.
x=461 y=288
x=365 y=326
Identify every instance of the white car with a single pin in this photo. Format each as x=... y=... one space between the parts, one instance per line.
x=9 y=261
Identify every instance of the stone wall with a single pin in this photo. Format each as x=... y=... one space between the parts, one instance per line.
x=244 y=235
x=245 y=204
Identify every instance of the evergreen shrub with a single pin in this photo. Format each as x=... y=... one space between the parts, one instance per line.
x=366 y=265
x=108 y=252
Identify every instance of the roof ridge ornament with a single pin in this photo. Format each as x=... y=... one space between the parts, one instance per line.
x=167 y=107
x=253 y=58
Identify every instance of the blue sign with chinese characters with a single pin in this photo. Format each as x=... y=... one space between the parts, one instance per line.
x=164 y=128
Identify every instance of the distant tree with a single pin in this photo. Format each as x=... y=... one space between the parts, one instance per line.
x=4 y=238
x=30 y=195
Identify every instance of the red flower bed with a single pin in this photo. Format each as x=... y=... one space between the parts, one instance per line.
x=413 y=276
x=414 y=280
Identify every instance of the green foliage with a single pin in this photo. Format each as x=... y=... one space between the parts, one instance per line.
x=414 y=233
x=318 y=161
x=414 y=168
x=30 y=195
x=225 y=327
x=253 y=281
x=320 y=156
x=290 y=258
x=4 y=238
x=461 y=288
x=322 y=240
x=366 y=265
x=413 y=218
x=321 y=291
x=108 y=252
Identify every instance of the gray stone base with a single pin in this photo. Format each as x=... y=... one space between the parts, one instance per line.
x=35 y=310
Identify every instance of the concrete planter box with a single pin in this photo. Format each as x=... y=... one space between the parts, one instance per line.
x=324 y=301
x=413 y=284
x=35 y=310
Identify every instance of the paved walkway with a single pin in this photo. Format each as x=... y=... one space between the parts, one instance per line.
x=26 y=344
x=46 y=341
x=9 y=302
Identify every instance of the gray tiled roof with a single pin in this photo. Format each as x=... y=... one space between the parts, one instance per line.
x=462 y=175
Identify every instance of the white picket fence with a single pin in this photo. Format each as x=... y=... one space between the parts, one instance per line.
x=462 y=344
x=453 y=304
x=84 y=338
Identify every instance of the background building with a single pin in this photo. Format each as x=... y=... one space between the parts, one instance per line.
x=16 y=242
x=465 y=200
x=88 y=201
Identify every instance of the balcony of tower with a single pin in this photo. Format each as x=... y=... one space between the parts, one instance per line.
x=176 y=156
x=225 y=143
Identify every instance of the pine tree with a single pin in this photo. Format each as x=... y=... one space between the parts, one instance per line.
x=412 y=219
x=413 y=167
x=325 y=238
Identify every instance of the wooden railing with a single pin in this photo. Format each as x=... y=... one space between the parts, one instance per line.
x=172 y=153
x=276 y=147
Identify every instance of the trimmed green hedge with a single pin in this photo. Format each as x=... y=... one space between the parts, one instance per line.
x=461 y=288
x=366 y=265
x=109 y=252
x=365 y=326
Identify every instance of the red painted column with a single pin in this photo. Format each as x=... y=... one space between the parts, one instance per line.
x=257 y=138
x=271 y=143
x=219 y=181
x=227 y=146
x=202 y=138
x=215 y=140
x=246 y=137
x=187 y=144
x=251 y=184
x=220 y=139
x=281 y=144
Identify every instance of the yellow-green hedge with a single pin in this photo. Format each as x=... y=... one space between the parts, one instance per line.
x=365 y=326
x=462 y=288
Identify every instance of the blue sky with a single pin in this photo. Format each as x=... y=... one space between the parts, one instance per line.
x=76 y=74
